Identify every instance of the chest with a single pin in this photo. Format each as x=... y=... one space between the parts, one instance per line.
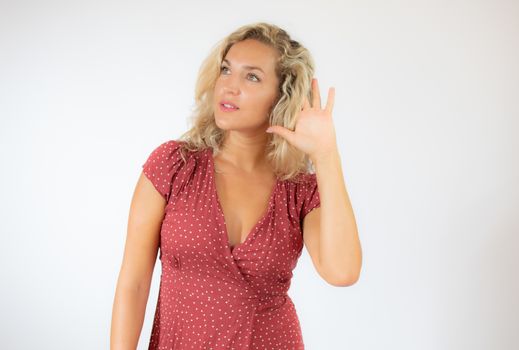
x=244 y=202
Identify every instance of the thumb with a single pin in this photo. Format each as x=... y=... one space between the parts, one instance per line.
x=281 y=131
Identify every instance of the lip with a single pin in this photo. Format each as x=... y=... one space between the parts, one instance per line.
x=229 y=103
x=225 y=109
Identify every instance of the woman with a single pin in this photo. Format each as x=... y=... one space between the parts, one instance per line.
x=230 y=205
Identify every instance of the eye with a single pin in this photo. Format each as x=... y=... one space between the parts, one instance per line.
x=254 y=75
x=222 y=68
x=250 y=74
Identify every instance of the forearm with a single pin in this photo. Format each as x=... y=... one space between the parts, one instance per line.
x=340 y=252
x=128 y=313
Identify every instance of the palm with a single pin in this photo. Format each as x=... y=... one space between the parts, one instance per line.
x=314 y=131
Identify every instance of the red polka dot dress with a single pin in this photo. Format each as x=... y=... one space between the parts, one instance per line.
x=211 y=295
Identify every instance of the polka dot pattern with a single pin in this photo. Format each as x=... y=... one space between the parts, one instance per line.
x=211 y=295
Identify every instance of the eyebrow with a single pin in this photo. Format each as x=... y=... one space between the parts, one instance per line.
x=246 y=67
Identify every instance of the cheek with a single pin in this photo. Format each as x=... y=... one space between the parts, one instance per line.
x=267 y=101
x=217 y=86
x=258 y=97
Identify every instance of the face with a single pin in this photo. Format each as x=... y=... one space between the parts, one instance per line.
x=252 y=90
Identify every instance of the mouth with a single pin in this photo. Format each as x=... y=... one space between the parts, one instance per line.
x=228 y=106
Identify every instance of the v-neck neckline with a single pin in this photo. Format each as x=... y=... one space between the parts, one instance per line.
x=266 y=211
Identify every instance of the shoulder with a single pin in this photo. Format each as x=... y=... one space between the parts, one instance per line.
x=171 y=152
x=166 y=149
x=306 y=193
x=304 y=182
x=166 y=166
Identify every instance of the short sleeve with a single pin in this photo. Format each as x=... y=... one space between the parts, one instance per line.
x=162 y=167
x=311 y=198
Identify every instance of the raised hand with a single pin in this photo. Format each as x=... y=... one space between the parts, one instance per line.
x=314 y=132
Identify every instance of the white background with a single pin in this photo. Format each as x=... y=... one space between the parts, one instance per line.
x=427 y=118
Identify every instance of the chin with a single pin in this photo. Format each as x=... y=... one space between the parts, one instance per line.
x=221 y=122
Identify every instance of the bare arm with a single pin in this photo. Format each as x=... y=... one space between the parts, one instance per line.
x=140 y=254
x=338 y=250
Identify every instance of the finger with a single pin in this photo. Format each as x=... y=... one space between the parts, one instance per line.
x=285 y=133
x=331 y=99
x=306 y=104
x=316 y=103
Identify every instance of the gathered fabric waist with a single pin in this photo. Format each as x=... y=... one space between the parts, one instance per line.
x=235 y=292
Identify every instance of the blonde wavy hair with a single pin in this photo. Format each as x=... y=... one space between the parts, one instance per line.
x=295 y=69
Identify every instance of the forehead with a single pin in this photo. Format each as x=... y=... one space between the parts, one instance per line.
x=251 y=52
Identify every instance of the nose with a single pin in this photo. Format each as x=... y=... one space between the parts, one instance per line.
x=230 y=85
